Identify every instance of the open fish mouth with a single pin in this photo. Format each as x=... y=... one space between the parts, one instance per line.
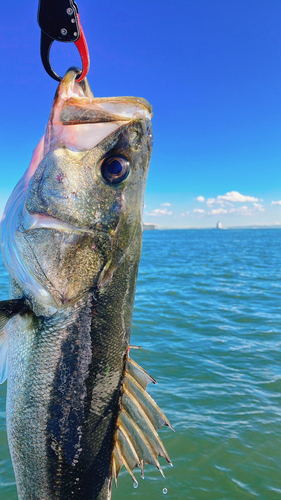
x=80 y=121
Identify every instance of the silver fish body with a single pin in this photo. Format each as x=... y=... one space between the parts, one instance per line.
x=71 y=239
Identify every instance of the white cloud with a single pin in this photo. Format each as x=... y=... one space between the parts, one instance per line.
x=159 y=212
x=165 y=204
x=231 y=196
x=211 y=201
x=234 y=196
x=218 y=211
x=241 y=210
x=244 y=210
x=187 y=213
x=258 y=207
x=198 y=211
x=200 y=198
x=276 y=202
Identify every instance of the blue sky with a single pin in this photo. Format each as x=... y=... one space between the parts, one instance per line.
x=211 y=70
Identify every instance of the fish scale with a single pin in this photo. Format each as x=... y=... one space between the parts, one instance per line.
x=77 y=406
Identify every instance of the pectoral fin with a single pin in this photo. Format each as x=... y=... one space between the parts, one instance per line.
x=137 y=441
x=3 y=356
x=8 y=309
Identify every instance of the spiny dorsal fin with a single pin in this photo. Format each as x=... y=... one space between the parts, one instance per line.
x=136 y=440
x=8 y=309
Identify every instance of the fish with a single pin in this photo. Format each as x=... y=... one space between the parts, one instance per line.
x=71 y=237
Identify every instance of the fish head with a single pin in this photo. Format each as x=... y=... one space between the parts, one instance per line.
x=81 y=212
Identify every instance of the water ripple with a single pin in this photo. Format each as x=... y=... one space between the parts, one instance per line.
x=208 y=316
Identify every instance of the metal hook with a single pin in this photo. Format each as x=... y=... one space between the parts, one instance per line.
x=45 y=47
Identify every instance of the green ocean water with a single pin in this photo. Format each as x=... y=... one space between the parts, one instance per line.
x=208 y=316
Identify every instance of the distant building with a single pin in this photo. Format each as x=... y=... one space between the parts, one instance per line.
x=149 y=226
x=219 y=225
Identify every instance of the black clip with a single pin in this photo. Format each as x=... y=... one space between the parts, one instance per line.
x=59 y=20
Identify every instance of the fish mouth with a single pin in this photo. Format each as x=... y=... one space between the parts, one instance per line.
x=77 y=110
x=80 y=105
x=80 y=121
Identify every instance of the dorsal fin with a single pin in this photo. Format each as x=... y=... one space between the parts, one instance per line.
x=136 y=440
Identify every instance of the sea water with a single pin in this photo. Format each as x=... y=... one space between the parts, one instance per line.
x=208 y=317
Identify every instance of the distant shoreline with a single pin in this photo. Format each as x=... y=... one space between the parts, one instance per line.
x=213 y=228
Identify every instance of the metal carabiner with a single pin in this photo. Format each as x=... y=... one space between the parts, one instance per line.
x=59 y=20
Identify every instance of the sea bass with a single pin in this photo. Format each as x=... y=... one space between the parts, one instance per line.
x=71 y=235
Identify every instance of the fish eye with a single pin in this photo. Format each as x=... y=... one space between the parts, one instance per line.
x=115 y=169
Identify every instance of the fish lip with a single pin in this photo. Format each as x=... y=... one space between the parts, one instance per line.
x=104 y=109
